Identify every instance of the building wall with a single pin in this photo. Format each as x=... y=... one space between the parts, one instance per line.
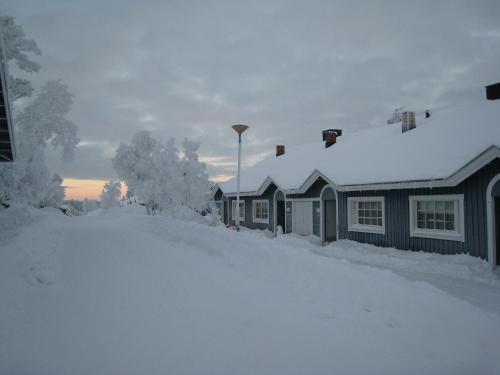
x=289 y=217
x=313 y=191
x=397 y=217
x=218 y=195
x=248 y=223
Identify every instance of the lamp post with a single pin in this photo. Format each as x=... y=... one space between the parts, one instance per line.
x=238 y=129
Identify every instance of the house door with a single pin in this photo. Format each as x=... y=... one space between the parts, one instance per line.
x=302 y=217
x=497 y=228
x=330 y=221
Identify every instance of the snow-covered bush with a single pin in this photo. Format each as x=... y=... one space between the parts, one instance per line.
x=160 y=176
x=110 y=196
x=89 y=205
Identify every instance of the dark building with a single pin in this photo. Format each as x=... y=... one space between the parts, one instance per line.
x=7 y=151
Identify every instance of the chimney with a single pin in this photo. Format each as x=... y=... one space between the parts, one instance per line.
x=407 y=121
x=493 y=91
x=330 y=136
x=280 y=150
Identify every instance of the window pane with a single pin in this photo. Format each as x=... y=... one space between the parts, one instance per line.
x=429 y=216
x=449 y=217
x=361 y=220
x=449 y=206
x=429 y=206
x=420 y=215
x=440 y=206
x=379 y=222
x=450 y=225
x=440 y=225
x=421 y=224
x=439 y=216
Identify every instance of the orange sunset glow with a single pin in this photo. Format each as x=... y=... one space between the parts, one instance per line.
x=91 y=189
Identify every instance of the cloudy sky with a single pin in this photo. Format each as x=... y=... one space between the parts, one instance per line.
x=287 y=68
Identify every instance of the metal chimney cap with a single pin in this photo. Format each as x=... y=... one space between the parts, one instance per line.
x=239 y=128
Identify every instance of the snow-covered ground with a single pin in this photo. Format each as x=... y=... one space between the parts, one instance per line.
x=119 y=292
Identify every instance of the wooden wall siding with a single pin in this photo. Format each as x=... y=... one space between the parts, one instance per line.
x=316 y=218
x=313 y=191
x=289 y=217
x=397 y=220
x=267 y=195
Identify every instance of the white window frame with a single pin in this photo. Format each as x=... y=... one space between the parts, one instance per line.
x=233 y=208
x=442 y=234
x=355 y=227
x=254 y=211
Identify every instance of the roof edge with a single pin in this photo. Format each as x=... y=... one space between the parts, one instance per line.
x=490 y=154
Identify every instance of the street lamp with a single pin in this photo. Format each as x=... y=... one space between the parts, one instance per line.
x=238 y=129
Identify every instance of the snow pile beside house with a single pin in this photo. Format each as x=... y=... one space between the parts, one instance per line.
x=124 y=292
x=459 y=266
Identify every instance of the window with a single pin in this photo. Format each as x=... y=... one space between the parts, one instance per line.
x=366 y=214
x=242 y=210
x=437 y=216
x=260 y=211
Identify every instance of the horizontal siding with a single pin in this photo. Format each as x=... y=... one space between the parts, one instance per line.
x=397 y=217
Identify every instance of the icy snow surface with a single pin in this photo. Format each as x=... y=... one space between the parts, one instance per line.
x=120 y=292
x=437 y=148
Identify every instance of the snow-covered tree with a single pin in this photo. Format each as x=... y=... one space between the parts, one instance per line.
x=17 y=49
x=194 y=177
x=89 y=205
x=159 y=177
x=54 y=193
x=42 y=121
x=110 y=196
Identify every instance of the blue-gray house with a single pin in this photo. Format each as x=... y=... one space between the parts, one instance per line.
x=429 y=183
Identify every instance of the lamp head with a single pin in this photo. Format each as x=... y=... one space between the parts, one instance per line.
x=239 y=128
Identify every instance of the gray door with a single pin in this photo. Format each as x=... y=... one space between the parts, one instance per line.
x=302 y=217
x=330 y=221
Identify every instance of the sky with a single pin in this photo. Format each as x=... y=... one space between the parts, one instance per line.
x=289 y=69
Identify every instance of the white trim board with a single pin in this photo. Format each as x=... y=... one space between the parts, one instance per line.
x=491 y=224
x=254 y=219
x=364 y=228
x=457 y=235
x=322 y=210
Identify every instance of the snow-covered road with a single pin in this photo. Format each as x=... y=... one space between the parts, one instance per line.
x=124 y=293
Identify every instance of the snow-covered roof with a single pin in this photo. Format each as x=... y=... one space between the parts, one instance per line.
x=437 y=149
